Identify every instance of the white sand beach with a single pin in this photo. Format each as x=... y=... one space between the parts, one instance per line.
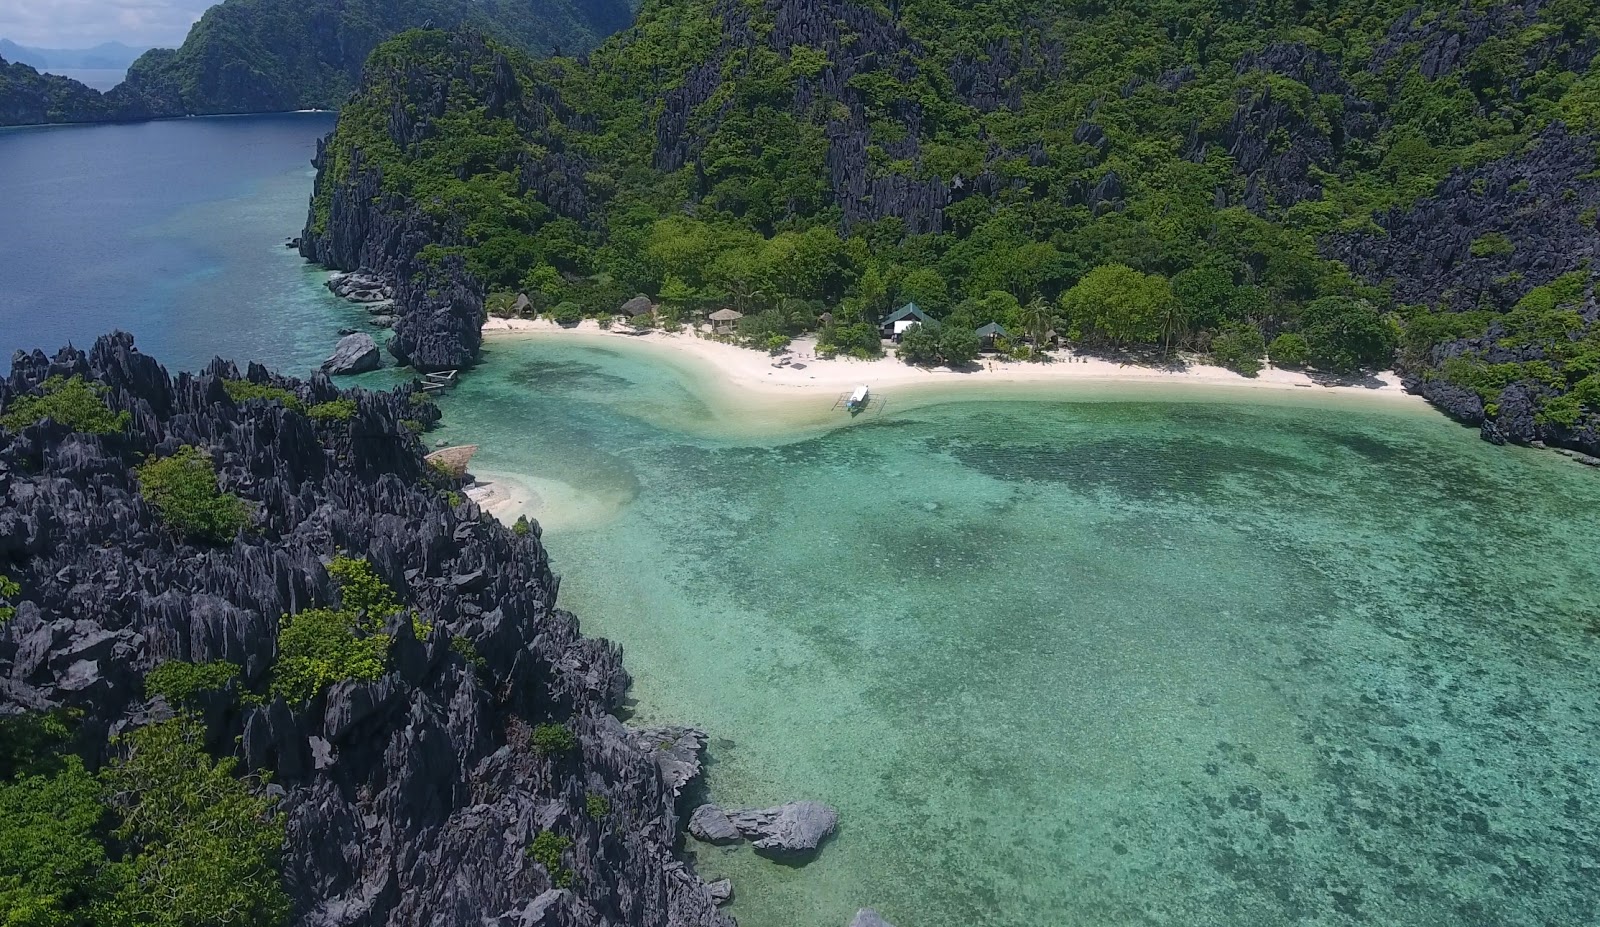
x=752 y=372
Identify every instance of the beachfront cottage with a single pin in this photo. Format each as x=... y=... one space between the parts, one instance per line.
x=901 y=319
x=723 y=321
x=989 y=333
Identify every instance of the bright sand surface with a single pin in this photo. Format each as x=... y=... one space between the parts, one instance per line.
x=750 y=380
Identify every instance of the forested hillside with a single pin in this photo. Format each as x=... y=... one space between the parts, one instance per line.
x=268 y=55
x=1342 y=181
x=28 y=97
x=256 y=56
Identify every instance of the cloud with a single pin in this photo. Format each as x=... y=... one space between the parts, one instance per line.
x=82 y=23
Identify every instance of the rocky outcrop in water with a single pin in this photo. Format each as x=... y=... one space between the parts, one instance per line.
x=792 y=831
x=410 y=799
x=355 y=353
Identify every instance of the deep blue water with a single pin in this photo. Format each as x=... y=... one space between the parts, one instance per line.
x=173 y=230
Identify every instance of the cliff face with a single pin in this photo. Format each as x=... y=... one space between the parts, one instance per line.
x=410 y=799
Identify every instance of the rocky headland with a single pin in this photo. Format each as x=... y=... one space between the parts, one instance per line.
x=415 y=796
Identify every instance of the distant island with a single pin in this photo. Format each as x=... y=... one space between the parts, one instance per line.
x=111 y=56
x=255 y=56
x=1411 y=188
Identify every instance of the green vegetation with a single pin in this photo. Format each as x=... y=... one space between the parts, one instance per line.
x=1491 y=244
x=204 y=848
x=932 y=343
x=597 y=805
x=1239 y=347
x=183 y=489
x=163 y=837
x=522 y=527
x=73 y=402
x=335 y=410
x=859 y=340
x=469 y=652
x=8 y=588
x=1345 y=334
x=1289 y=350
x=553 y=740
x=321 y=646
x=1118 y=305
x=180 y=681
x=546 y=850
x=245 y=390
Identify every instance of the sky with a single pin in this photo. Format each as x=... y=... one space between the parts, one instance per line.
x=84 y=23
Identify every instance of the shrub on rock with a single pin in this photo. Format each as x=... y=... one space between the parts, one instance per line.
x=183 y=489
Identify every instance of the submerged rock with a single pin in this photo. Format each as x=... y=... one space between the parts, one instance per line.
x=792 y=831
x=866 y=917
x=721 y=891
x=356 y=353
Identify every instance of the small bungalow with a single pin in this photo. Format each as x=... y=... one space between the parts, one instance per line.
x=901 y=319
x=988 y=333
x=723 y=321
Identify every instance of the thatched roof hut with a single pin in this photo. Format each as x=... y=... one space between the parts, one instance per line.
x=453 y=459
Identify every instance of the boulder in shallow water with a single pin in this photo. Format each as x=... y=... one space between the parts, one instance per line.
x=721 y=891
x=866 y=917
x=793 y=831
x=711 y=824
x=356 y=353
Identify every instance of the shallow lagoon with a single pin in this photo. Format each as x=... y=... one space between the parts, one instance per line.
x=1092 y=662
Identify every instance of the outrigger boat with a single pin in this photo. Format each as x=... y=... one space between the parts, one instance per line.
x=857 y=403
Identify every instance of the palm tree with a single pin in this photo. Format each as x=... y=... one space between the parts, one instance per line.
x=1174 y=321
x=1037 y=319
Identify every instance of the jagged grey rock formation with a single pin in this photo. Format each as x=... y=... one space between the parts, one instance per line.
x=410 y=799
x=792 y=831
x=721 y=891
x=360 y=288
x=712 y=825
x=355 y=353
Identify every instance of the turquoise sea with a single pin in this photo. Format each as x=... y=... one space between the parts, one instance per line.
x=1162 y=658
x=1161 y=661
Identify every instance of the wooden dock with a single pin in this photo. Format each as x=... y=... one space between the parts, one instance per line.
x=440 y=380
